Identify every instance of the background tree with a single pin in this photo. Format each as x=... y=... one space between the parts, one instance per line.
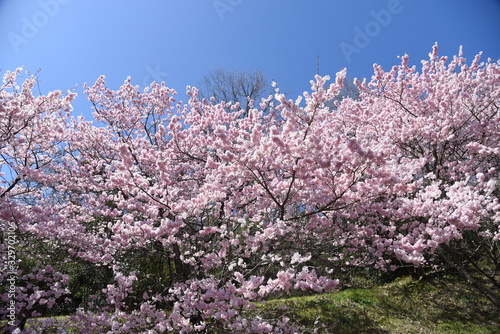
x=245 y=87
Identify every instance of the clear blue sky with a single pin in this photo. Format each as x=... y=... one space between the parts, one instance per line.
x=179 y=41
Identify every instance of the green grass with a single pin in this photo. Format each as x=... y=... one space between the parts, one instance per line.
x=440 y=305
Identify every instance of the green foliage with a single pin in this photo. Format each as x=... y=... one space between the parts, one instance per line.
x=155 y=272
x=87 y=282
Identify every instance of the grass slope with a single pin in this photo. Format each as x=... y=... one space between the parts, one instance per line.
x=434 y=305
x=442 y=304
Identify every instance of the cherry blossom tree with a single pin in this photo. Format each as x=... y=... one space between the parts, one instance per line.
x=220 y=200
x=437 y=130
x=31 y=132
x=188 y=214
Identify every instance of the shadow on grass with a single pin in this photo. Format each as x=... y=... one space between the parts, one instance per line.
x=332 y=313
x=437 y=305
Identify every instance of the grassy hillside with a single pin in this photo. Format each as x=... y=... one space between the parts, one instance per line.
x=434 y=305
x=443 y=304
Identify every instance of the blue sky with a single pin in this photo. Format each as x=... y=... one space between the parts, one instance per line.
x=179 y=41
